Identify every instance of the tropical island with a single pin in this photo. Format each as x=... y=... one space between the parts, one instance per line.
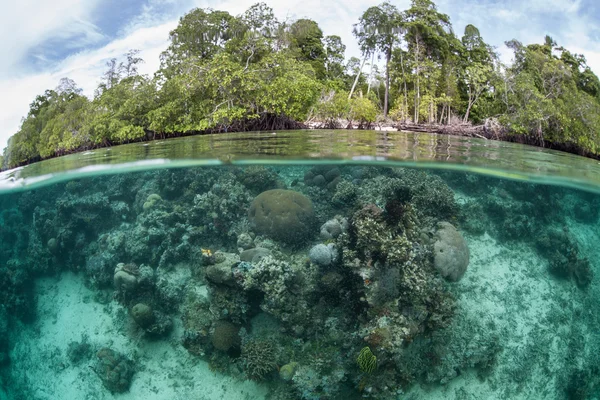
x=225 y=73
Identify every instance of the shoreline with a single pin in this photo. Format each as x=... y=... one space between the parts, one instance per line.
x=486 y=131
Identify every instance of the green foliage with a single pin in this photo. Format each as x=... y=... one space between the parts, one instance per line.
x=223 y=72
x=333 y=107
x=363 y=111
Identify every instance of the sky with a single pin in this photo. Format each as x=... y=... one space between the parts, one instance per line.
x=44 y=41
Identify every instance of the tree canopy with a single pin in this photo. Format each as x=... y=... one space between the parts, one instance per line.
x=223 y=72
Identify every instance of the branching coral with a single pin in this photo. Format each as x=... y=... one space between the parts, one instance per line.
x=259 y=359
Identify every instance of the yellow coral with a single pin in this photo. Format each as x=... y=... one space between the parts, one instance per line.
x=366 y=360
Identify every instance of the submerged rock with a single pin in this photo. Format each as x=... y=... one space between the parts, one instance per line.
x=451 y=253
x=323 y=255
x=254 y=255
x=125 y=277
x=221 y=272
x=143 y=315
x=114 y=369
x=283 y=215
x=334 y=228
x=245 y=241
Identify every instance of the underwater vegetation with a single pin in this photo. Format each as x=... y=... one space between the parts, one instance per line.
x=321 y=283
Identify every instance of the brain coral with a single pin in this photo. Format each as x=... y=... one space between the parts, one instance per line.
x=283 y=215
x=226 y=335
x=451 y=254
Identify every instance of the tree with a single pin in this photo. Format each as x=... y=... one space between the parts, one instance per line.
x=200 y=34
x=477 y=67
x=306 y=44
x=428 y=34
x=334 y=57
x=379 y=30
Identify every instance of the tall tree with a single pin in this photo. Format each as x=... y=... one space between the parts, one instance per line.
x=477 y=67
x=428 y=34
x=306 y=44
x=334 y=57
x=199 y=35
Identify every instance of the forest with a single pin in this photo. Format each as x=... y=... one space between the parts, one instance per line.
x=224 y=73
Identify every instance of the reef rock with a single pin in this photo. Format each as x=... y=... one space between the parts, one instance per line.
x=114 y=369
x=284 y=215
x=334 y=228
x=323 y=255
x=143 y=315
x=451 y=254
x=221 y=272
x=125 y=277
x=254 y=255
x=245 y=241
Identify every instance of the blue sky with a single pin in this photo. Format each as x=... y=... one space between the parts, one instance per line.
x=44 y=41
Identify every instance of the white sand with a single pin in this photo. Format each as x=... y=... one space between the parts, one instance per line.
x=510 y=284
x=66 y=311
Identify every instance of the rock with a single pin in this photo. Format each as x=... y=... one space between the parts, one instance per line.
x=451 y=254
x=333 y=228
x=319 y=180
x=245 y=241
x=151 y=201
x=287 y=371
x=143 y=315
x=323 y=255
x=125 y=277
x=323 y=176
x=283 y=215
x=114 y=369
x=221 y=272
x=52 y=245
x=254 y=255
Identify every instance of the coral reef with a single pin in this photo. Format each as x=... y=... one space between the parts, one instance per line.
x=366 y=360
x=338 y=288
x=114 y=369
x=323 y=255
x=284 y=215
x=451 y=253
x=259 y=359
x=225 y=335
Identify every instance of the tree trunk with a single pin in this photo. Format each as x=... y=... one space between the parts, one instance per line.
x=405 y=113
x=371 y=74
x=418 y=92
x=357 y=76
x=387 y=83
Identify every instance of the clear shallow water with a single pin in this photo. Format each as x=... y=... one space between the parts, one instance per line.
x=509 y=160
x=282 y=280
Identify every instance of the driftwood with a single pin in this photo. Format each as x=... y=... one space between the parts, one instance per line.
x=491 y=129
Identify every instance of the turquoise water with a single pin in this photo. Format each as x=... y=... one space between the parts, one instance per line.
x=310 y=272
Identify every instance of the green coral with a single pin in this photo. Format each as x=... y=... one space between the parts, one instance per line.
x=366 y=360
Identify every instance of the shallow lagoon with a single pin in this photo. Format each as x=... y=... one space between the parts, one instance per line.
x=287 y=276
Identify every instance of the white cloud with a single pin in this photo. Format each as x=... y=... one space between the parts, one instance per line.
x=26 y=24
x=85 y=68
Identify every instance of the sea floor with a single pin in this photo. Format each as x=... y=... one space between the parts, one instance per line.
x=67 y=312
x=541 y=323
